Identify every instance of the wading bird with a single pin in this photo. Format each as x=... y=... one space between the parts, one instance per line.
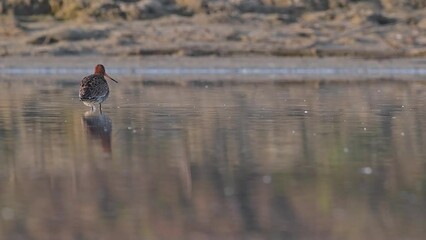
x=94 y=88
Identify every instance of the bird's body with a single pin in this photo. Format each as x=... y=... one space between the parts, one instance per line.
x=94 y=88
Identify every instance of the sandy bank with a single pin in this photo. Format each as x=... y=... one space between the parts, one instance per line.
x=360 y=29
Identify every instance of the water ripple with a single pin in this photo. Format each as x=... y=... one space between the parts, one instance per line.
x=282 y=71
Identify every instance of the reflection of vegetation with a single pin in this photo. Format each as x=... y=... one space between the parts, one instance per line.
x=286 y=162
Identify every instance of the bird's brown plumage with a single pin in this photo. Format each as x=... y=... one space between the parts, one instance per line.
x=94 y=88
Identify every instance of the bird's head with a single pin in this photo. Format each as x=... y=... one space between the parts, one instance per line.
x=100 y=69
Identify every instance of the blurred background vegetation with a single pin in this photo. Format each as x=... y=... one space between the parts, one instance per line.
x=373 y=28
x=142 y=9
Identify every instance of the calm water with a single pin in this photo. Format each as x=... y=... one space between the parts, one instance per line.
x=265 y=161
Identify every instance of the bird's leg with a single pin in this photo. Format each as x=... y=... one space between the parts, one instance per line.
x=100 y=108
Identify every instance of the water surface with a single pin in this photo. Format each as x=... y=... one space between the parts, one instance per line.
x=242 y=161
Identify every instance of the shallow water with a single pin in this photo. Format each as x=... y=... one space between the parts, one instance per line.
x=280 y=72
x=247 y=161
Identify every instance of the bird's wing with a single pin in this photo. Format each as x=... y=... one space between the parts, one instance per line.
x=92 y=87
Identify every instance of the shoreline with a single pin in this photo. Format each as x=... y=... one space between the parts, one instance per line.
x=205 y=61
x=218 y=69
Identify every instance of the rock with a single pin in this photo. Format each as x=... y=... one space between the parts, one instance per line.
x=30 y=7
x=106 y=11
x=66 y=51
x=381 y=19
x=72 y=34
x=146 y=9
x=42 y=40
x=78 y=34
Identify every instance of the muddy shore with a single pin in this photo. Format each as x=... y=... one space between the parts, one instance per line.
x=358 y=29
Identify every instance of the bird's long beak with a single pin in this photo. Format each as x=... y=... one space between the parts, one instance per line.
x=106 y=75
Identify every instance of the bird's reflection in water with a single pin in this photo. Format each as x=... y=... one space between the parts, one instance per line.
x=98 y=127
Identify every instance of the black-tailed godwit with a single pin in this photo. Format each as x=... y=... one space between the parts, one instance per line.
x=94 y=88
